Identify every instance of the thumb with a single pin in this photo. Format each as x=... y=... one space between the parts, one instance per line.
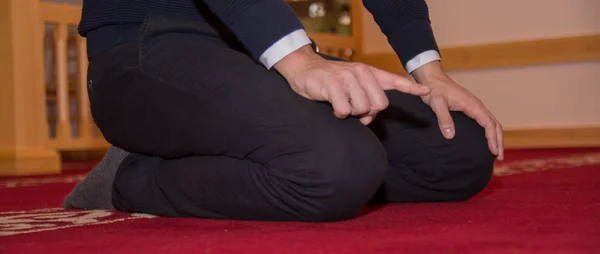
x=440 y=108
x=366 y=120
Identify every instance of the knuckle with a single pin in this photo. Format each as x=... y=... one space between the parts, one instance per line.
x=361 y=67
x=361 y=108
x=343 y=77
x=337 y=77
x=438 y=100
x=360 y=112
x=343 y=111
x=347 y=73
x=383 y=105
x=335 y=82
x=340 y=73
x=373 y=112
x=401 y=79
x=476 y=102
x=465 y=104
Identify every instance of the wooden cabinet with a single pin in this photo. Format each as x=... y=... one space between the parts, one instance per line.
x=333 y=24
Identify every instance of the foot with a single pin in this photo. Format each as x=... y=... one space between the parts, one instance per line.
x=95 y=191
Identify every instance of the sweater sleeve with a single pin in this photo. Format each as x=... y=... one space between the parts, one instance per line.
x=258 y=24
x=406 y=24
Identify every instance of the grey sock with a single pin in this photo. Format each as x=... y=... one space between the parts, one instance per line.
x=95 y=191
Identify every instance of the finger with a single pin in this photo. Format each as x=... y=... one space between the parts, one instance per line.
x=389 y=81
x=485 y=120
x=500 y=136
x=366 y=120
x=376 y=95
x=339 y=101
x=445 y=121
x=359 y=101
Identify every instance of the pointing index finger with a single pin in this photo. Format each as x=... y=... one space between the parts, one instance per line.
x=389 y=81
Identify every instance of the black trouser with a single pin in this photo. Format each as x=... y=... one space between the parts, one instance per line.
x=216 y=135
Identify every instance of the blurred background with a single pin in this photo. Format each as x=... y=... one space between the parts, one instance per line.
x=534 y=63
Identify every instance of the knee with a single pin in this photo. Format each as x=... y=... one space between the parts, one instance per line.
x=449 y=170
x=471 y=164
x=473 y=176
x=345 y=174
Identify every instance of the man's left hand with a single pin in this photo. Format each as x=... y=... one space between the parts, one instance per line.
x=446 y=95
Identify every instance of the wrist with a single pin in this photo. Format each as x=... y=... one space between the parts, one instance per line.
x=429 y=71
x=296 y=61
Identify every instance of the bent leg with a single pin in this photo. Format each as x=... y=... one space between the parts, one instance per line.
x=215 y=135
x=424 y=166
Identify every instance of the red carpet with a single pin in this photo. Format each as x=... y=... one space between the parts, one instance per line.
x=540 y=201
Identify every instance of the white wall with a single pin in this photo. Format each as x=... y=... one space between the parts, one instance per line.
x=557 y=95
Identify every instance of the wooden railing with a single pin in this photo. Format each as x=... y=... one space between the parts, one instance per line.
x=69 y=129
x=45 y=108
x=23 y=119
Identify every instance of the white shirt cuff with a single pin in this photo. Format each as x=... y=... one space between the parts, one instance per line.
x=284 y=47
x=422 y=59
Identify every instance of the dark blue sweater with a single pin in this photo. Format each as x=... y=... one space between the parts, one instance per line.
x=257 y=24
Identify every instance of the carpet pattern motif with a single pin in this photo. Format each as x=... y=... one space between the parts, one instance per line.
x=540 y=201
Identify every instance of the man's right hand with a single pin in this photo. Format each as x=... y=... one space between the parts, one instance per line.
x=351 y=88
